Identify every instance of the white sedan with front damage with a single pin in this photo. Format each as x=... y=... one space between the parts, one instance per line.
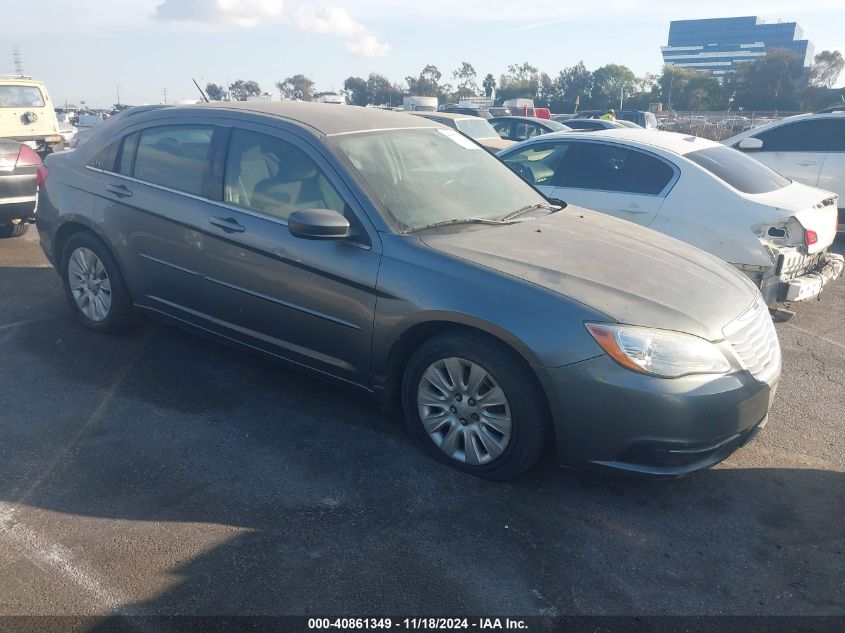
x=711 y=196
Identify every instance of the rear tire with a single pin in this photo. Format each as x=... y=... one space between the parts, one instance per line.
x=94 y=285
x=13 y=230
x=472 y=402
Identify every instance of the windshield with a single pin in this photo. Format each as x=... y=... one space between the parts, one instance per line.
x=425 y=176
x=738 y=170
x=476 y=128
x=20 y=97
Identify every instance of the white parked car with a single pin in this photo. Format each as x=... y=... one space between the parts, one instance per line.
x=775 y=230
x=808 y=148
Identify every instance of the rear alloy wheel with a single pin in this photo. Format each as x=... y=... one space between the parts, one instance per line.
x=473 y=403
x=89 y=283
x=93 y=284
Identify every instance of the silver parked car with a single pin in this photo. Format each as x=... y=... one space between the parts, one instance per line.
x=390 y=253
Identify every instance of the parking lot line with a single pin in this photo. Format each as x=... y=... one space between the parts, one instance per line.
x=84 y=429
x=815 y=335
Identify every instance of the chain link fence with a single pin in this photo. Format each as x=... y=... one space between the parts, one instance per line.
x=716 y=126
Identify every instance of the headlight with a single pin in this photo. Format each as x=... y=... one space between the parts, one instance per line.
x=659 y=352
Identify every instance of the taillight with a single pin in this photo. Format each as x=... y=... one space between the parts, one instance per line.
x=41 y=176
x=27 y=157
x=810 y=237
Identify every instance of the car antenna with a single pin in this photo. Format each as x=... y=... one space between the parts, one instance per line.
x=200 y=89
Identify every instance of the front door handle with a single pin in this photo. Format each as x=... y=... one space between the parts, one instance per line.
x=121 y=191
x=633 y=211
x=230 y=225
x=806 y=163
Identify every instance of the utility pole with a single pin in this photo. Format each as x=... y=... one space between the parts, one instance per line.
x=16 y=58
x=118 y=94
x=164 y=92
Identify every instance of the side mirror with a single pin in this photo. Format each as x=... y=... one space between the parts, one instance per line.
x=750 y=144
x=318 y=224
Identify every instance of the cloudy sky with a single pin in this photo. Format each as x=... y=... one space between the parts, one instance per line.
x=88 y=49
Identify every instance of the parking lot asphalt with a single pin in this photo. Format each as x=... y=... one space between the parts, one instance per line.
x=159 y=473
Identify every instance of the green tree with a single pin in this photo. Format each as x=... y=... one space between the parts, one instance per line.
x=611 y=83
x=296 y=87
x=215 y=92
x=826 y=68
x=688 y=89
x=427 y=84
x=357 y=89
x=521 y=81
x=572 y=83
x=489 y=85
x=466 y=80
x=773 y=82
x=381 y=91
x=240 y=89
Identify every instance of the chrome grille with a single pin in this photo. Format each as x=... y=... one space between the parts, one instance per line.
x=754 y=341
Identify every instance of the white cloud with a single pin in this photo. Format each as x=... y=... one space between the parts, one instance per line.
x=325 y=20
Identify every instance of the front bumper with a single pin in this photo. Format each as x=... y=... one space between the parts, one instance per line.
x=811 y=283
x=608 y=417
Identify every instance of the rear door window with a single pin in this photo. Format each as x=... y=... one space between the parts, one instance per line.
x=810 y=135
x=738 y=170
x=605 y=167
x=175 y=156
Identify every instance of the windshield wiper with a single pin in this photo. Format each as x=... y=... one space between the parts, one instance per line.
x=459 y=221
x=531 y=207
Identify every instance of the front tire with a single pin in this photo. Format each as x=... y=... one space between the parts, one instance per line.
x=94 y=285
x=472 y=403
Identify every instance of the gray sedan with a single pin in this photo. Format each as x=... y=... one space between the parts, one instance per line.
x=391 y=254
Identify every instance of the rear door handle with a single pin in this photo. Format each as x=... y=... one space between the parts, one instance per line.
x=230 y=225
x=121 y=191
x=633 y=211
x=806 y=163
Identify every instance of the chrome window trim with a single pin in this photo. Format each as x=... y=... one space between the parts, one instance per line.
x=217 y=203
x=382 y=129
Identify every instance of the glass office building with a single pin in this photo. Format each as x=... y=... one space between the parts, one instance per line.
x=719 y=44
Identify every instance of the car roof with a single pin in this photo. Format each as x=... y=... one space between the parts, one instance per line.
x=669 y=141
x=326 y=118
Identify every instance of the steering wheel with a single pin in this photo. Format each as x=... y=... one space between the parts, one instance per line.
x=524 y=172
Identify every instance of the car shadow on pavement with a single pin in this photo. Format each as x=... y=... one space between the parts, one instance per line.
x=327 y=507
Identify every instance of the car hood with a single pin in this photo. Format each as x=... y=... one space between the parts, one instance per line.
x=630 y=273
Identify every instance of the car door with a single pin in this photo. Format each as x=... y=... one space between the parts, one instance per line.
x=832 y=175
x=308 y=301
x=621 y=181
x=153 y=183
x=796 y=149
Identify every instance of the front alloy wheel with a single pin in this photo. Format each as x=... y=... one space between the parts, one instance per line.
x=464 y=411
x=473 y=403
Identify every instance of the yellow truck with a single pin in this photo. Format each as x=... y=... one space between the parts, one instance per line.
x=27 y=114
